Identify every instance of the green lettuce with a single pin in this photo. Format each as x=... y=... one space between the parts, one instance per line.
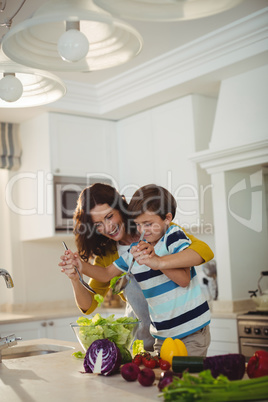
x=114 y=280
x=119 y=331
x=138 y=347
x=99 y=299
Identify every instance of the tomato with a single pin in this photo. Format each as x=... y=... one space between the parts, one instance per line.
x=137 y=360
x=149 y=362
x=164 y=365
x=156 y=358
x=145 y=355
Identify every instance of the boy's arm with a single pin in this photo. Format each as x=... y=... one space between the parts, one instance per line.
x=181 y=276
x=195 y=254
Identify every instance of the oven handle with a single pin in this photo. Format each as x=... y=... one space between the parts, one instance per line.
x=254 y=344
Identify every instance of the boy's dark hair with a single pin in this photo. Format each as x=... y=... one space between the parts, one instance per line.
x=152 y=198
x=88 y=241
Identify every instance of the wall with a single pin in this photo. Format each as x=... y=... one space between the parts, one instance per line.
x=237 y=161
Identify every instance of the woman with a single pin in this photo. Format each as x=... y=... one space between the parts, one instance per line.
x=104 y=230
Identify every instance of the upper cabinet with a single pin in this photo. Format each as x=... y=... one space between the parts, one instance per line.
x=82 y=145
x=58 y=144
x=151 y=147
x=154 y=147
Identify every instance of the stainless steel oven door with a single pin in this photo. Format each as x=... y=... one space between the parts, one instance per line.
x=248 y=346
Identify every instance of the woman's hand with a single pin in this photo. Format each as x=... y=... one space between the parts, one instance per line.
x=68 y=263
x=144 y=254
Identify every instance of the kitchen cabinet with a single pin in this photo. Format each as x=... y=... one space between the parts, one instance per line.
x=224 y=336
x=57 y=144
x=155 y=146
x=56 y=328
x=82 y=145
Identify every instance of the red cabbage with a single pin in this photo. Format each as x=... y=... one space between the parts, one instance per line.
x=231 y=365
x=102 y=357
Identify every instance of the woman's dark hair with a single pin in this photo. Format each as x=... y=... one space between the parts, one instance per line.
x=152 y=198
x=88 y=241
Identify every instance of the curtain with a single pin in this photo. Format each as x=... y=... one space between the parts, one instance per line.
x=10 y=146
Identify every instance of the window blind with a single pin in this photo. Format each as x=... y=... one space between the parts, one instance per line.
x=10 y=146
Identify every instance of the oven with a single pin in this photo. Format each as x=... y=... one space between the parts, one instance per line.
x=252 y=332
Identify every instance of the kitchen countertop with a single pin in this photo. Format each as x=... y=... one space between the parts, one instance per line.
x=46 y=314
x=218 y=310
x=13 y=317
x=58 y=377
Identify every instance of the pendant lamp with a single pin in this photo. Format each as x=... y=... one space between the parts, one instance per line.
x=166 y=10
x=71 y=35
x=21 y=86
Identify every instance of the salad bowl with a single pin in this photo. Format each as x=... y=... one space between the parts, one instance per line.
x=121 y=331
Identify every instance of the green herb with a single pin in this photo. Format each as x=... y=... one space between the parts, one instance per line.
x=79 y=355
x=206 y=388
x=99 y=299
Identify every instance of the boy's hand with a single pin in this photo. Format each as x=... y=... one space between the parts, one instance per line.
x=69 y=262
x=144 y=254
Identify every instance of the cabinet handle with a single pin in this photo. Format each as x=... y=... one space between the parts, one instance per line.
x=51 y=323
x=44 y=324
x=261 y=345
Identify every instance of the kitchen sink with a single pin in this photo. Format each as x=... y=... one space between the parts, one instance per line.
x=16 y=352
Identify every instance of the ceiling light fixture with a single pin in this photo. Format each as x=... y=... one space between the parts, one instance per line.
x=35 y=42
x=73 y=45
x=166 y=10
x=21 y=86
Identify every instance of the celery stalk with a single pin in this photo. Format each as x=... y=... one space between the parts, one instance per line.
x=205 y=388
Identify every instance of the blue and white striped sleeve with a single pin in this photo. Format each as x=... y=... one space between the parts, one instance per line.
x=123 y=262
x=177 y=240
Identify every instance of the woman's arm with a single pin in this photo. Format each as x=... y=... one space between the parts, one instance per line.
x=71 y=260
x=199 y=247
x=82 y=296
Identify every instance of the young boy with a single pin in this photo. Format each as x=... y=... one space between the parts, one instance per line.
x=177 y=307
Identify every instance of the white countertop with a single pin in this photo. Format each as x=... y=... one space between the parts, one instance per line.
x=43 y=314
x=57 y=377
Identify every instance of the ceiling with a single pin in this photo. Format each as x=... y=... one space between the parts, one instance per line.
x=159 y=38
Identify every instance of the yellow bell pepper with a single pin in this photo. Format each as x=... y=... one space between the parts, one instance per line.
x=172 y=347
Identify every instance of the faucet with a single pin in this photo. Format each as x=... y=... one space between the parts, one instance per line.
x=7 y=277
x=7 y=341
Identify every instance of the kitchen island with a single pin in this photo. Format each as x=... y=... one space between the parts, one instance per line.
x=58 y=377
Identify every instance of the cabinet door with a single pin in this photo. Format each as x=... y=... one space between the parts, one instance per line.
x=222 y=348
x=25 y=330
x=136 y=153
x=60 y=328
x=81 y=145
x=224 y=336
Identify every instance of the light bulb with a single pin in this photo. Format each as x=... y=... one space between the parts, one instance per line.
x=73 y=45
x=11 y=88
